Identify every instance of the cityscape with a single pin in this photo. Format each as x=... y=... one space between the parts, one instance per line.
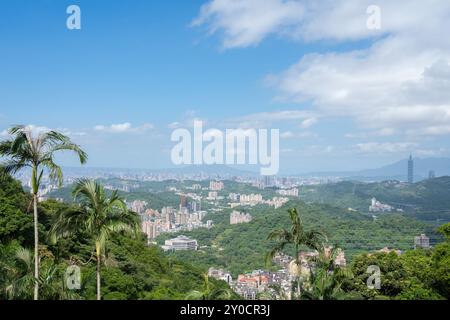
x=204 y=198
x=224 y=158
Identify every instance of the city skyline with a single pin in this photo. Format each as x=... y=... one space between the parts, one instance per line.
x=121 y=85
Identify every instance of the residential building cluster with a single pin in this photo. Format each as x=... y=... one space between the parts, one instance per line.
x=237 y=199
x=277 y=202
x=216 y=185
x=249 y=286
x=220 y=274
x=170 y=220
x=237 y=217
x=213 y=196
x=377 y=206
x=288 y=192
x=250 y=199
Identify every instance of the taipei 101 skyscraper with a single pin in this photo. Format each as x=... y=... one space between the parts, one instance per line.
x=410 y=170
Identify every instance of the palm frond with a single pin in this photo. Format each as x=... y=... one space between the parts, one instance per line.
x=68 y=146
x=12 y=166
x=195 y=295
x=55 y=171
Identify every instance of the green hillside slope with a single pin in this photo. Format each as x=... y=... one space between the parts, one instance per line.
x=242 y=248
x=133 y=270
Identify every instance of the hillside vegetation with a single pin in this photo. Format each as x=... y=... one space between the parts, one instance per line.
x=132 y=269
x=427 y=200
x=242 y=248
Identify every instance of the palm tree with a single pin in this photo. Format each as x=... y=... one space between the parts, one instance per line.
x=98 y=215
x=18 y=272
x=326 y=278
x=17 y=268
x=34 y=150
x=208 y=292
x=298 y=237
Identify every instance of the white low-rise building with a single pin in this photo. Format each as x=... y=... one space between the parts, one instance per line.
x=180 y=243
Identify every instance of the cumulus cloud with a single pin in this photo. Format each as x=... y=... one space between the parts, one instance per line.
x=307 y=123
x=386 y=147
x=174 y=125
x=243 y=23
x=402 y=148
x=267 y=119
x=286 y=135
x=246 y=23
x=398 y=83
x=36 y=130
x=123 y=128
x=317 y=150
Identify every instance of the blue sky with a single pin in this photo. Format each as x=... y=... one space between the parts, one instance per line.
x=344 y=97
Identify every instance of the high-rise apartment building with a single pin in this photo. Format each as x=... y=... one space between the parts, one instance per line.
x=422 y=241
x=183 y=201
x=431 y=174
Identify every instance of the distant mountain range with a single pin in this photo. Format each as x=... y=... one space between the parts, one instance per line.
x=397 y=170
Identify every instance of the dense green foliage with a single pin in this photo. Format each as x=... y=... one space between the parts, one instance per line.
x=132 y=269
x=14 y=224
x=414 y=275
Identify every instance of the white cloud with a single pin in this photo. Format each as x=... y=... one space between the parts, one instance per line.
x=70 y=133
x=123 y=128
x=303 y=134
x=307 y=123
x=247 y=22
x=286 y=135
x=174 y=125
x=244 y=23
x=386 y=147
x=36 y=130
x=267 y=119
x=400 y=81
x=317 y=150
x=430 y=152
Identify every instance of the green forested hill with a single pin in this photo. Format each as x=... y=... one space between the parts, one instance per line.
x=428 y=199
x=14 y=224
x=242 y=248
x=133 y=270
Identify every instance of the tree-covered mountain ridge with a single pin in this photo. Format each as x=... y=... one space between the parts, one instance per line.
x=428 y=199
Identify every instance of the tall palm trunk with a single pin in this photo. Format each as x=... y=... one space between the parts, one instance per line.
x=98 y=252
x=297 y=262
x=36 y=232
x=99 y=295
x=36 y=249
